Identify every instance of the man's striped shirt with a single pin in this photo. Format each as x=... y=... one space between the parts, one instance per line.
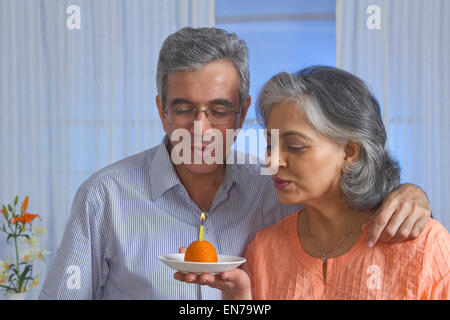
x=127 y=214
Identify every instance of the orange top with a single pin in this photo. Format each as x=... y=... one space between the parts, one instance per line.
x=417 y=269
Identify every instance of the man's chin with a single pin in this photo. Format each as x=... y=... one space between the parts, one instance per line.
x=202 y=168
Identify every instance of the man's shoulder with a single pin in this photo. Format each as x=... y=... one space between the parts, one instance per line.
x=122 y=169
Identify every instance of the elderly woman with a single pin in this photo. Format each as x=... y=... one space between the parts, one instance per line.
x=333 y=161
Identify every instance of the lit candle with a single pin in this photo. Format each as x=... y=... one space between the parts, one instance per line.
x=202 y=220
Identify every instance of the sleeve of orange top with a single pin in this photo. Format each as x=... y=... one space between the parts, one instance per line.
x=256 y=254
x=441 y=289
x=248 y=266
x=438 y=263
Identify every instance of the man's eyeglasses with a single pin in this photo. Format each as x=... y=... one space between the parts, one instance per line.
x=218 y=116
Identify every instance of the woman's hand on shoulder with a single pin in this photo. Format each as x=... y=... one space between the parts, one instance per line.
x=402 y=216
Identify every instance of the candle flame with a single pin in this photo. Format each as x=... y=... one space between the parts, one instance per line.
x=202 y=220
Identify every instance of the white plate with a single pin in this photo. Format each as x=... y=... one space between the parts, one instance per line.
x=224 y=263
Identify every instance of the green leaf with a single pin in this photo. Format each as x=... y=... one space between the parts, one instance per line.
x=25 y=235
x=25 y=271
x=9 y=236
x=10 y=277
x=10 y=208
x=22 y=276
x=2 y=286
x=16 y=199
x=6 y=287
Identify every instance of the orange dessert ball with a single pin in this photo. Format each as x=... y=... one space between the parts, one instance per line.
x=201 y=251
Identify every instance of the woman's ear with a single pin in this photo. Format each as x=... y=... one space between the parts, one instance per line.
x=352 y=150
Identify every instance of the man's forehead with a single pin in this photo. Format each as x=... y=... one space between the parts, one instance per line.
x=224 y=68
x=219 y=81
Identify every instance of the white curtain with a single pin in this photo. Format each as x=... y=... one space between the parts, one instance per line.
x=402 y=49
x=77 y=89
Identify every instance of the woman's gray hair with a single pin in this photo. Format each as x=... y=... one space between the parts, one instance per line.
x=190 y=49
x=340 y=106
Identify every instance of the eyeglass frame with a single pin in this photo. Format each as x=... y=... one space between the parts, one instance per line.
x=197 y=110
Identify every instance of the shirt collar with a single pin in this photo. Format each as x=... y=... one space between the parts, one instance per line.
x=162 y=172
x=235 y=170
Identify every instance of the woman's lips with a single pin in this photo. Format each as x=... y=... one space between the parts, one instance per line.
x=280 y=183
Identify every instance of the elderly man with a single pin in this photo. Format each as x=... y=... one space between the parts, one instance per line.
x=130 y=212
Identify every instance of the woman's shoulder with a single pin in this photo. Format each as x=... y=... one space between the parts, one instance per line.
x=271 y=243
x=437 y=241
x=433 y=230
x=432 y=251
x=432 y=237
x=278 y=230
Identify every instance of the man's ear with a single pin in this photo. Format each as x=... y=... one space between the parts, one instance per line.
x=162 y=114
x=244 y=110
x=352 y=150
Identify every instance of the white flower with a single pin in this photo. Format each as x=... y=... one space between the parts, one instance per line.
x=39 y=230
x=26 y=254
x=4 y=266
x=32 y=253
x=3 y=272
x=32 y=241
x=27 y=258
x=35 y=282
x=41 y=254
x=3 y=277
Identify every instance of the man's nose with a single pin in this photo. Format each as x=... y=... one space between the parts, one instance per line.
x=203 y=120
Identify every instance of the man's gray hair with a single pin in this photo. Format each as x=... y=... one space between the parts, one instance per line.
x=340 y=106
x=190 y=49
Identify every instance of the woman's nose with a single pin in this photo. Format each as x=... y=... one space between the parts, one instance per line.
x=276 y=158
x=282 y=161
